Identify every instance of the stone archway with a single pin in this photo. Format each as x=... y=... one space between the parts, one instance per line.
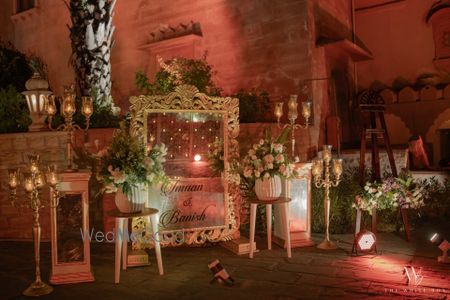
x=433 y=136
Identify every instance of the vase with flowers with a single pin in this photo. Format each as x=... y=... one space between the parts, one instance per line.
x=266 y=163
x=127 y=168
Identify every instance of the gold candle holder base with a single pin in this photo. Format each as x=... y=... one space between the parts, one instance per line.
x=38 y=288
x=327 y=245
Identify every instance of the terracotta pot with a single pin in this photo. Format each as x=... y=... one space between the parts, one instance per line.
x=268 y=188
x=134 y=201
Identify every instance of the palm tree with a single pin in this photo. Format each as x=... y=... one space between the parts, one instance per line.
x=91 y=36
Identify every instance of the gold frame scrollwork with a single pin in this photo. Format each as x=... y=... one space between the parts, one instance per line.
x=186 y=97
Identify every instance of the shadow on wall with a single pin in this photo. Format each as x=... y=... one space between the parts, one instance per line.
x=399 y=133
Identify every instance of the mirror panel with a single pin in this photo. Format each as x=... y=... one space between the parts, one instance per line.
x=195 y=195
x=199 y=204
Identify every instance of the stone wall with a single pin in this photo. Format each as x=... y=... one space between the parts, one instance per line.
x=235 y=34
x=400 y=39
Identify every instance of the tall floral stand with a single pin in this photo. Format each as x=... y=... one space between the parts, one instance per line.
x=299 y=190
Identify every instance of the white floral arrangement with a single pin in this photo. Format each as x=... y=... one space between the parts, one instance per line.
x=127 y=162
x=267 y=159
x=391 y=193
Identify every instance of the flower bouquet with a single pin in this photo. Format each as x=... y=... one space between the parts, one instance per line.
x=127 y=167
x=265 y=164
x=391 y=193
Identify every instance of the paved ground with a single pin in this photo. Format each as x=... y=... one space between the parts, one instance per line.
x=310 y=274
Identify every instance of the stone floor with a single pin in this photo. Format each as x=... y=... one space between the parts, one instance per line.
x=310 y=274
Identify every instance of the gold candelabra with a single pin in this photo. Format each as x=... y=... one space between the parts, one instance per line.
x=67 y=110
x=323 y=180
x=33 y=182
x=292 y=116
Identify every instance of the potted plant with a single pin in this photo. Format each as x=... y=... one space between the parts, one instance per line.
x=266 y=163
x=127 y=167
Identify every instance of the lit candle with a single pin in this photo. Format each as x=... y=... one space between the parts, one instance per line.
x=49 y=105
x=327 y=152
x=13 y=174
x=69 y=108
x=87 y=106
x=306 y=109
x=68 y=103
x=317 y=167
x=337 y=167
x=278 y=110
x=292 y=106
x=39 y=181
x=28 y=184
x=34 y=163
x=52 y=175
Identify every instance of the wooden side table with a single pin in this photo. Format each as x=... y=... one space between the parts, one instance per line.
x=122 y=231
x=282 y=201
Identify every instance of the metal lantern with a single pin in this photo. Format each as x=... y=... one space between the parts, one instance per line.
x=37 y=91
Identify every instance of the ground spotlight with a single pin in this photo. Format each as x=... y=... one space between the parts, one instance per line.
x=220 y=274
x=365 y=242
x=444 y=245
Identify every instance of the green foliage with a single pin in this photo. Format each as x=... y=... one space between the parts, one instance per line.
x=342 y=215
x=437 y=204
x=14 y=67
x=178 y=71
x=215 y=156
x=253 y=106
x=143 y=85
x=14 y=113
x=38 y=66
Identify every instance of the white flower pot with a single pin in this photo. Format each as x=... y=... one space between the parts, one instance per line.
x=268 y=188
x=134 y=202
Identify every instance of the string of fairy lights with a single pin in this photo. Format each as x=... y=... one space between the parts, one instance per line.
x=187 y=135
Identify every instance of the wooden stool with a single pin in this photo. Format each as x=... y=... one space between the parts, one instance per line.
x=284 y=201
x=122 y=230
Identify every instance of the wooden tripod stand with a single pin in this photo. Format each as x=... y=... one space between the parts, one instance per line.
x=371 y=105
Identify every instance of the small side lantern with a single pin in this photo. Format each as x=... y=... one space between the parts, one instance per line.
x=37 y=90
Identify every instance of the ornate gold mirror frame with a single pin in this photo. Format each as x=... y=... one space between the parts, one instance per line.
x=187 y=98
